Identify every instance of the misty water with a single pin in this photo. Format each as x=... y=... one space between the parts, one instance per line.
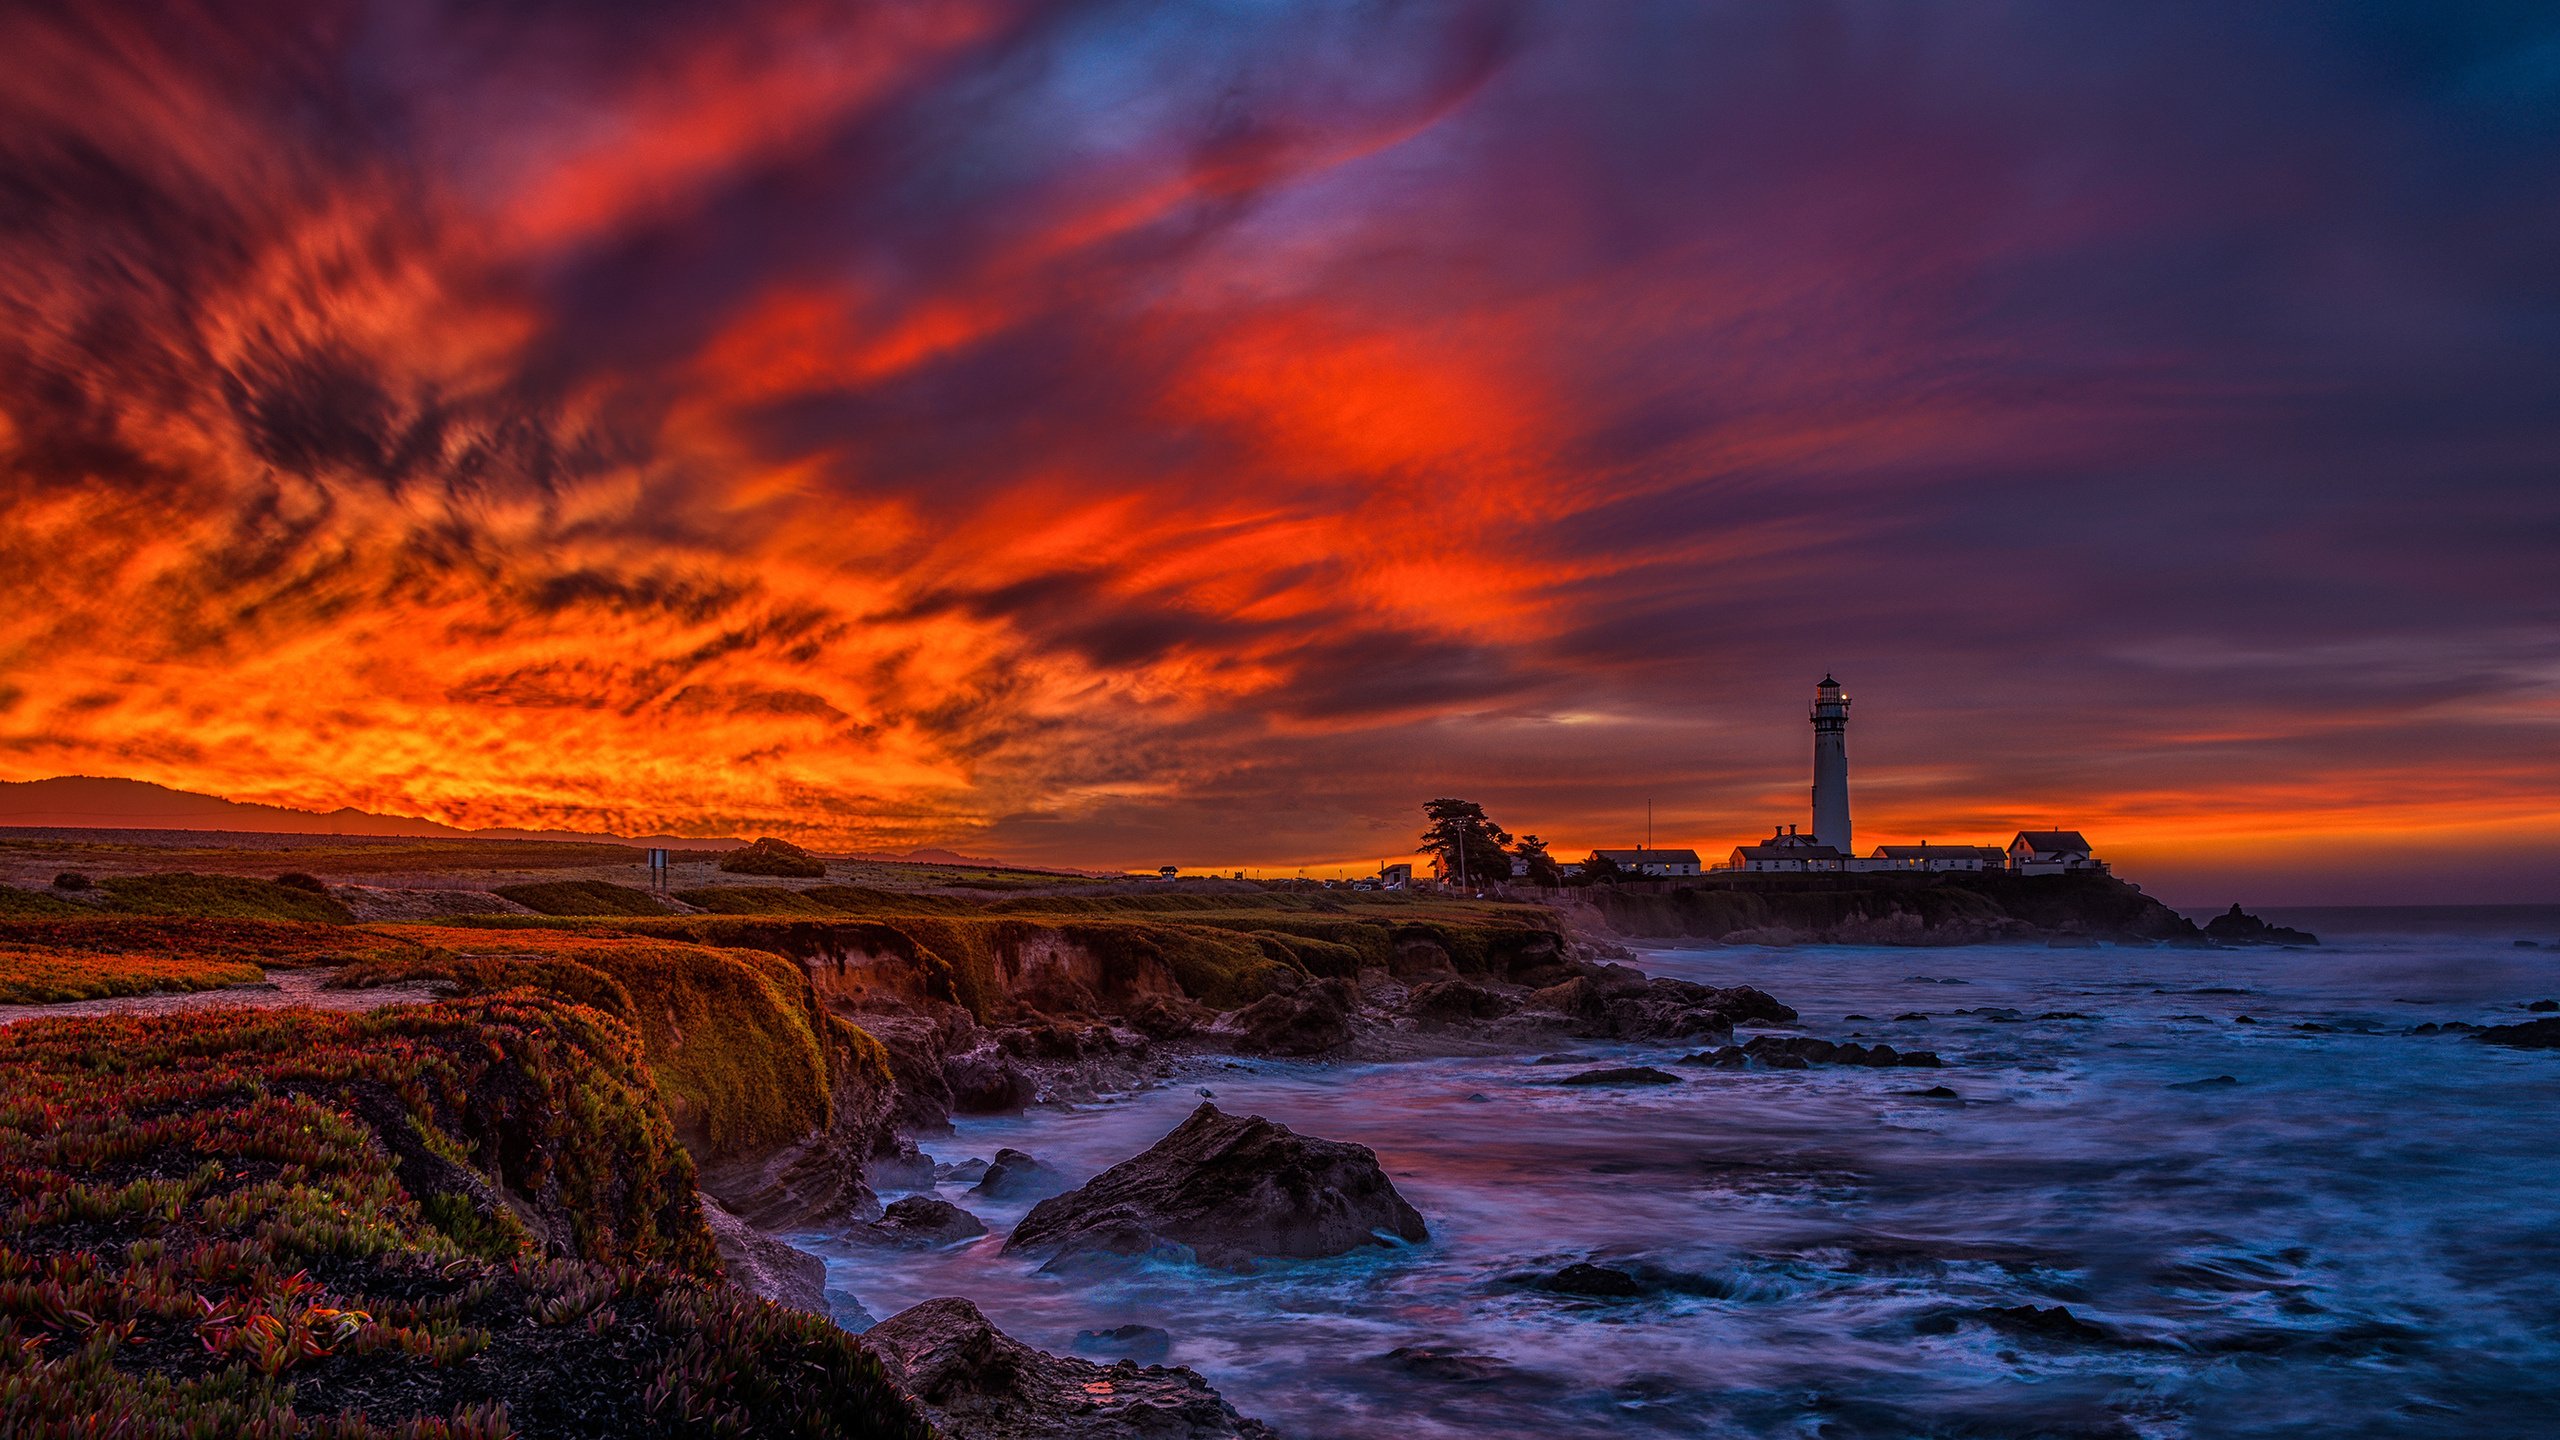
x=2356 y=1238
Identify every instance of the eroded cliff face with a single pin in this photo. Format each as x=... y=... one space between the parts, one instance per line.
x=1886 y=910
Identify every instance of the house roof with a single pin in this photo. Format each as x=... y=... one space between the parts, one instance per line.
x=1787 y=852
x=1649 y=857
x=2053 y=840
x=1924 y=850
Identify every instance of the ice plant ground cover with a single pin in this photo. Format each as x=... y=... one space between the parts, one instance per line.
x=469 y=1219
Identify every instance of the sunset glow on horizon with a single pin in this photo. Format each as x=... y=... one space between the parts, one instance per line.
x=1113 y=435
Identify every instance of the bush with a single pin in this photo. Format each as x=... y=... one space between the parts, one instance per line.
x=768 y=856
x=220 y=896
x=296 y=880
x=70 y=880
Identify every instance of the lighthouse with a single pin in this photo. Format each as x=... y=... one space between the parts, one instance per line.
x=1831 y=766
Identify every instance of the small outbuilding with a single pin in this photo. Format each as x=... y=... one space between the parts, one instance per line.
x=2052 y=852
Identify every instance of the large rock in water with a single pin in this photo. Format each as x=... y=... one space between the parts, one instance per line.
x=2531 y=1035
x=2236 y=927
x=1231 y=1189
x=978 y=1383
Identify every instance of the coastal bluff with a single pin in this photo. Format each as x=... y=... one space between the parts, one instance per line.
x=1886 y=909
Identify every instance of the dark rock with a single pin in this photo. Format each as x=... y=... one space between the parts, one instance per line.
x=986 y=1081
x=1617 y=1002
x=2531 y=1035
x=1934 y=1092
x=2065 y=1015
x=2244 y=1019
x=1560 y=1060
x=1454 y=1367
x=1145 y=1344
x=1451 y=1002
x=1306 y=1021
x=2528 y=944
x=761 y=1265
x=2210 y=1082
x=2051 y=1323
x=1597 y=1281
x=1727 y=1057
x=1912 y=1015
x=1846 y=1019
x=1013 y=1175
x=978 y=1383
x=1164 y=1017
x=2543 y=1006
x=1622 y=1075
x=966 y=1172
x=2232 y=927
x=1799 y=1051
x=896 y=1164
x=1231 y=1189
x=925 y=1220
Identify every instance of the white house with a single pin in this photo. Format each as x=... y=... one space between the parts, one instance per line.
x=1925 y=856
x=2052 y=852
x=1653 y=862
x=1784 y=852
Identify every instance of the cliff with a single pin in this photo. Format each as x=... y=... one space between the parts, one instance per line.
x=1949 y=909
x=474 y=1213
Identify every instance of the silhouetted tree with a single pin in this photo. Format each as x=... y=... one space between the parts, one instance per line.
x=1541 y=866
x=1599 y=869
x=1460 y=828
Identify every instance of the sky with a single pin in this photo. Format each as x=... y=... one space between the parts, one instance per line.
x=1123 y=434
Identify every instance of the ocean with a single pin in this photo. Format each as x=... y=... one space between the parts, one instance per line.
x=2353 y=1234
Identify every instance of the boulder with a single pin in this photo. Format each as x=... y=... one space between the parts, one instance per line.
x=1456 y=1367
x=761 y=1265
x=978 y=1383
x=1596 y=1281
x=1146 y=1344
x=1796 y=1052
x=965 y=1172
x=924 y=1220
x=1622 y=1075
x=2233 y=927
x=1452 y=1002
x=1618 y=1002
x=1309 y=1020
x=1013 y=1175
x=985 y=1080
x=1231 y=1190
x=2531 y=1035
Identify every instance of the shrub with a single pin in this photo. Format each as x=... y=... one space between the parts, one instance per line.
x=277 y=1224
x=70 y=880
x=768 y=856
x=582 y=897
x=296 y=880
x=222 y=896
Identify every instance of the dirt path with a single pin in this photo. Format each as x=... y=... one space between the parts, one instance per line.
x=282 y=988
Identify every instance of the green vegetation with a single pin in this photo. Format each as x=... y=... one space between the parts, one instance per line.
x=745 y=1056
x=755 y=900
x=341 y=856
x=582 y=897
x=275 y=1225
x=1225 y=948
x=14 y=902
x=768 y=856
x=31 y=975
x=218 y=896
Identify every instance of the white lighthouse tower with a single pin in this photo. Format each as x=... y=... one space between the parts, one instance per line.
x=1831 y=766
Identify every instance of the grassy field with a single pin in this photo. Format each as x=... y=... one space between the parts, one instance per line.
x=325 y=856
x=31 y=975
x=88 y=956
x=283 y=1225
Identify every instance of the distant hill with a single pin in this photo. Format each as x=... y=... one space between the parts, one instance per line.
x=90 y=802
